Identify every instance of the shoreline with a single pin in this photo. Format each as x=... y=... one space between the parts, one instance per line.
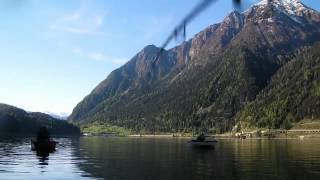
x=217 y=136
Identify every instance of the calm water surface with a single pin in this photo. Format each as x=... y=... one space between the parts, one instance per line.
x=161 y=158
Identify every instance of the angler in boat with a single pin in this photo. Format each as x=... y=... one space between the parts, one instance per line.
x=201 y=142
x=201 y=137
x=43 y=142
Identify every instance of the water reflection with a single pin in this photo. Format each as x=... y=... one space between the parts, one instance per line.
x=278 y=159
x=146 y=158
x=17 y=161
x=152 y=158
x=43 y=157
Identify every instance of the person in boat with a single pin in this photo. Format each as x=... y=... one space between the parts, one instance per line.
x=201 y=137
x=43 y=135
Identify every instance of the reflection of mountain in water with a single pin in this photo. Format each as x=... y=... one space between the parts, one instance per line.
x=125 y=158
x=147 y=158
x=278 y=159
x=143 y=158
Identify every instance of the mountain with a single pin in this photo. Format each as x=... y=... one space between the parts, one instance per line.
x=206 y=81
x=17 y=121
x=60 y=116
x=293 y=94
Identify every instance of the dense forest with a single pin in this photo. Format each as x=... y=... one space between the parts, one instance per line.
x=17 y=121
x=292 y=95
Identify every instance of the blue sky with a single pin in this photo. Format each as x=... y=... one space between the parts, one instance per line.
x=54 y=52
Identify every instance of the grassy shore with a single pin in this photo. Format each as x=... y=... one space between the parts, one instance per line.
x=307 y=124
x=306 y=128
x=97 y=128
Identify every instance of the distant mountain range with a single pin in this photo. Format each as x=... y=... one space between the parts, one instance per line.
x=61 y=116
x=17 y=121
x=259 y=68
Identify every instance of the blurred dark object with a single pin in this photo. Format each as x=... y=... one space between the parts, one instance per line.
x=201 y=142
x=181 y=27
x=43 y=142
x=237 y=5
x=201 y=137
x=43 y=135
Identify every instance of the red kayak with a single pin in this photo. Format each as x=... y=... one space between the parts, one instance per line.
x=49 y=146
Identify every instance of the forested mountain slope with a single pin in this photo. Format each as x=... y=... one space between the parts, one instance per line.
x=292 y=95
x=17 y=121
x=204 y=82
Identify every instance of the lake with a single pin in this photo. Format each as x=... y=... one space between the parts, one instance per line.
x=161 y=158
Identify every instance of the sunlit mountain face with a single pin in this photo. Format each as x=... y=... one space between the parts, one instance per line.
x=211 y=80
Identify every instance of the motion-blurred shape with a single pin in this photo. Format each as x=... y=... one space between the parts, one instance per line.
x=237 y=5
x=181 y=27
x=43 y=143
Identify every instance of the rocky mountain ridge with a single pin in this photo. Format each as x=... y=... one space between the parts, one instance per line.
x=206 y=81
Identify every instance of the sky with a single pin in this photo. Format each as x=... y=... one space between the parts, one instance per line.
x=54 y=52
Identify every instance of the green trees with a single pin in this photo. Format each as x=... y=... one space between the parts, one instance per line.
x=16 y=121
x=292 y=94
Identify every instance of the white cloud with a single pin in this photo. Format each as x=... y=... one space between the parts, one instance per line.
x=83 y=21
x=119 y=61
x=98 y=56
x=162 y=24
x=102 y=57
x=98 y=20
x=77 y=51
x=73 y=16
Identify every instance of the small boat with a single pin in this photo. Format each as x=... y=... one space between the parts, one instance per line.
x=203 y=144
x=48 y=146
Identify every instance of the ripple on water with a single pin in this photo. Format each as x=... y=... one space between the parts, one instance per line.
x=17 y=161
x=140 y=158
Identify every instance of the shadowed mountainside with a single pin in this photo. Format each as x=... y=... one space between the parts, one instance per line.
x=17 y=121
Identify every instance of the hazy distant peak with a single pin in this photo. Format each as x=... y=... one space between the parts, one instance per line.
x=60 y=115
